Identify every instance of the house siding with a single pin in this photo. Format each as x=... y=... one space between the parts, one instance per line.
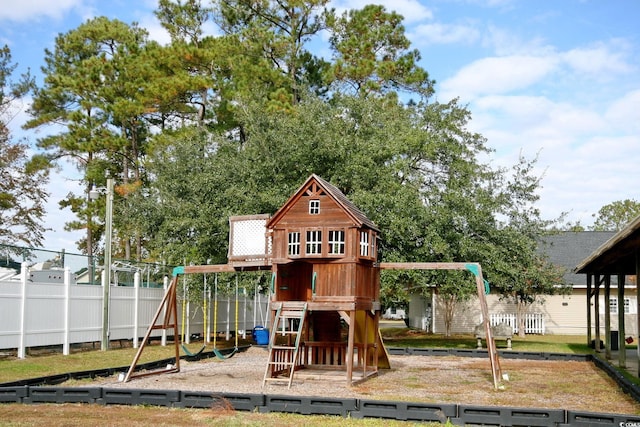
x=563 y=314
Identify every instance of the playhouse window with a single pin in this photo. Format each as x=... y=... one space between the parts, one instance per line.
x=314 y=242
x=364 y=243
x=314 y=207
x=294 y=243
x=336 y=242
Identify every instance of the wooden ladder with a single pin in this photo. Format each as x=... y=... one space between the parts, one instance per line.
x=283 y=358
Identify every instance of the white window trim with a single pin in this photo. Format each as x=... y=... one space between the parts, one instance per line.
x=333 y=242
x=314 y=207
x=295 y=245
x=364 y=244
x=313 y=247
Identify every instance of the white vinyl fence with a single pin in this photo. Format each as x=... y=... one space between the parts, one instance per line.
x=533 y=322
x=41 y=314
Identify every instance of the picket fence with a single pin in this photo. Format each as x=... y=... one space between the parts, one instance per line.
x=53 y=314
x=533 y=322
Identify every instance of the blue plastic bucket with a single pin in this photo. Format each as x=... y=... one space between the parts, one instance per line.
x=261 y=335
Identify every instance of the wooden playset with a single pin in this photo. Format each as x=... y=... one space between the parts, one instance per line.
x=325 y=287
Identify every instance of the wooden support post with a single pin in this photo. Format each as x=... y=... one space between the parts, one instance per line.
x=607 y=316
x=589 y=277
x=351 y=341
x=622 y=353
x=491 y=344
x=596 y=313
x=365 y=353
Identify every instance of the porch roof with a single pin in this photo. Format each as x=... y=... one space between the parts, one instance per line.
x=618 y=255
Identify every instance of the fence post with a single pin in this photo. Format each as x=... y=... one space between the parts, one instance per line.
x=24 y=273
x=67 y=308
x=136 y=307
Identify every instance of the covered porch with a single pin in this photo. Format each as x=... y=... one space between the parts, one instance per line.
x=613 y=262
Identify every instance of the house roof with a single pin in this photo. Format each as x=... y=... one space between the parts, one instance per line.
x=338 y=196
x=615 y=256
x=568 y=248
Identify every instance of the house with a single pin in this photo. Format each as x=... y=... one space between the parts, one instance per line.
x=554 y=314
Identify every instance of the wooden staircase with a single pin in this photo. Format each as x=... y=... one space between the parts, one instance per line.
x=283 y=357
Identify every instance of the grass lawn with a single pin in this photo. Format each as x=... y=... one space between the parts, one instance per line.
x=404 y=337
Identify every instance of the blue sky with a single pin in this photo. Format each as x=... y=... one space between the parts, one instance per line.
x=556 y=79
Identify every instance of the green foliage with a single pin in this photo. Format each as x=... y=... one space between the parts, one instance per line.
x=616 y=215
x=372 y=53
x=22 y=180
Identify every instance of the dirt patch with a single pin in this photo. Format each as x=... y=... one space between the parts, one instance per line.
x=568 y=385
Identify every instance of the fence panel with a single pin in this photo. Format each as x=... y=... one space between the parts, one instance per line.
x=44 y=315
x=52 y=319
x=85 y=313
x=10 y=297
x=533 y=322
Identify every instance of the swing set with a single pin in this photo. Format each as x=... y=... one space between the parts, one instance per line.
x=205 y=311
x=166 y=317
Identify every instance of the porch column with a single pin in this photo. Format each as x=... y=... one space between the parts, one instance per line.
x=607 y=316
x=622 y=354
x=589 y=277
x=596 y=313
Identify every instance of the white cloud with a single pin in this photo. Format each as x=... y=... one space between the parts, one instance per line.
x=29 y=9
x=624 y=113
x=445 y=34
x=505 y=43
x=497 y=75
x=600 y=60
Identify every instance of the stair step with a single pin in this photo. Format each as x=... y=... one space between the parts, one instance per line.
x=280 y=363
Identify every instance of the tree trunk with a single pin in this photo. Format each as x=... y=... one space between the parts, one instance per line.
x=521 y=310
x=450 y=302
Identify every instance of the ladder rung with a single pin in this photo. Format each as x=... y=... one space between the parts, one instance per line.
x=291 y=314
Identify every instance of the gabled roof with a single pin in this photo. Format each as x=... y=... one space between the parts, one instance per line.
x=358 y=217
x=567 y=248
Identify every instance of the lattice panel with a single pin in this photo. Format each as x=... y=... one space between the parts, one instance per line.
x=247 y=237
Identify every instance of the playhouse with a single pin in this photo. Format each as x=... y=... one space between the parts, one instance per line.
x=324 y=275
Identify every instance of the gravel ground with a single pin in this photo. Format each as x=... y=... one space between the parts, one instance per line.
x=438 y=379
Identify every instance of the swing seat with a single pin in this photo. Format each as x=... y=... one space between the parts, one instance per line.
x=190 y=354
x=219 y=355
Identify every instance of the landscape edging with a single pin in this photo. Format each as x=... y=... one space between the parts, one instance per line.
x=38 y=390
